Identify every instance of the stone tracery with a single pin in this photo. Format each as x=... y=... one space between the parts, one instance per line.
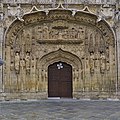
x=80 y=35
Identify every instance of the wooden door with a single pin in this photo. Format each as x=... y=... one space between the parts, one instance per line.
x=60 y=80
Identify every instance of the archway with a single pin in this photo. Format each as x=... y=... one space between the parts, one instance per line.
x=73 y=67
x=60 y=80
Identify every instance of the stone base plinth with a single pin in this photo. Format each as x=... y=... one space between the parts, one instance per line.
x=94 y=95
x=23 y=96
x=44 y=95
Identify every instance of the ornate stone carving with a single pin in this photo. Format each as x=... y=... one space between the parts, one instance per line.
x=45 y=32
x=81 y=32
x=44 y=39
x=39 y=32
x=102 y=62
x=60 y=24
x=17 y=62
x=91 y=62
x=27 y=62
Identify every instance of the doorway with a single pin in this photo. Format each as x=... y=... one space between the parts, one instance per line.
x=60 y=80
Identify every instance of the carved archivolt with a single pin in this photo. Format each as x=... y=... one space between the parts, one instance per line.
x=60 y=55
x=42 y=39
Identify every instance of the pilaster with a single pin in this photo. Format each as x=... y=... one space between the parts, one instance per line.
x=1 y=42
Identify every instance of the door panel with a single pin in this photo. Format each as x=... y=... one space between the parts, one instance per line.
x=60 y=80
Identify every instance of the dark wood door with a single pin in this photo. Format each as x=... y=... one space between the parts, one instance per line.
x=60 y=80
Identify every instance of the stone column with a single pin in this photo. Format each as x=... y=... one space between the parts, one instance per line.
x=1 y=41
x=118 y=55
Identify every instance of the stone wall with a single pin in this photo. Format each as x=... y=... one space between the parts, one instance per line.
x=23 y=46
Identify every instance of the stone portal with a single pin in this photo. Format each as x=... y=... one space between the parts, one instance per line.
x=78 y=39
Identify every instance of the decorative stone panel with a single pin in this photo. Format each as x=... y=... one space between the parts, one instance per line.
x=43 y=38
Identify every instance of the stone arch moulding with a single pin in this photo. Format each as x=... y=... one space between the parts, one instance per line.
x=66 y=57
x=60 y=55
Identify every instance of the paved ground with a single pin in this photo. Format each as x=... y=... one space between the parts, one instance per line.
x=60 y=110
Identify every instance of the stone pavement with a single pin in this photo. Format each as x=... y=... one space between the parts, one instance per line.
x=63 y=109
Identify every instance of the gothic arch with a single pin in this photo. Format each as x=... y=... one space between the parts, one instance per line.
x=66 y=57
x=60 y=55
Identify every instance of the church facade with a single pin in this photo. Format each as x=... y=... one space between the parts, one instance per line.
x=59 y=49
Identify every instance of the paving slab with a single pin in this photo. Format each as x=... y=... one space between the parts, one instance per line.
x=60 y=110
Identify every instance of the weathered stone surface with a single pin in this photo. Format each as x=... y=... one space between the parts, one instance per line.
x=60 y=110
x=34 y=39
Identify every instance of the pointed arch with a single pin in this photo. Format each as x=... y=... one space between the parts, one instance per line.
x=60 y=55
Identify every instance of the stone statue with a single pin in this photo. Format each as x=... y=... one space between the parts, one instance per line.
x=91 y=62
x=60 y=36
x=107 y=66
x=17 y=62
x=81 y=33
x=65 y=34
x=102 y=62
x=32 y=62
x=39 y=35
x=12 y=54
x=72 y=33
x=22 y=63
x=27 y=62
x=45 y=32
x=12 y=66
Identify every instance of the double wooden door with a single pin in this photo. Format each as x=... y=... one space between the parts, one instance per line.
x=60 y=80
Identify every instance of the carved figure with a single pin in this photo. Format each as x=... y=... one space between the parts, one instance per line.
x=22 y=63
x=81 y=33
x=32 y=62
x=17 y=62
x=12 y=66
x=65 y=33
x=60 y=35
x=72 y=33
x=102 y=62
x=39 y=36
x=91 y=62
x=107 y=66
x=12 y=54
x=45 y=32
x=27 y=62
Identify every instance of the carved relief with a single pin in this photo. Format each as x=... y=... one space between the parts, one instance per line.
x=92 y=63
x=45 y=32
x=39 y=32
x=17 y=62
x=102 y=62
x=27 y=62
x=83 y=46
